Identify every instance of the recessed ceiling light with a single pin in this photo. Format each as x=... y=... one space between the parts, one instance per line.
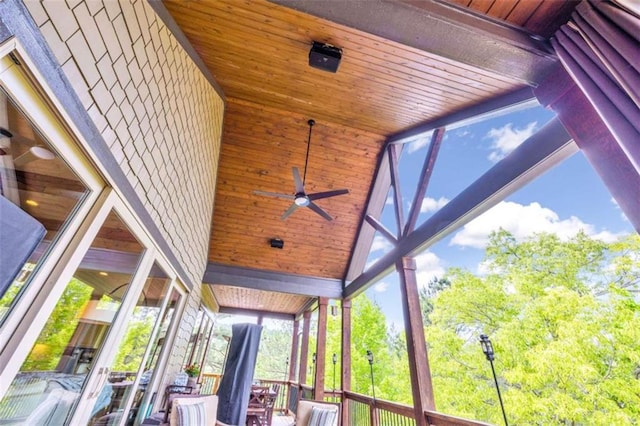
x=31 y=203
x=104 y=274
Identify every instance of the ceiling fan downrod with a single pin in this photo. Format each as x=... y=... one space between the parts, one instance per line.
x=311 y=122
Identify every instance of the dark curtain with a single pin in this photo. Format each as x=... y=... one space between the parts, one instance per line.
x=235 y=385
x=20 y=234
x=600 y=49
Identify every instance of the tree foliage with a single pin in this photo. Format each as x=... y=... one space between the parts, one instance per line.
x=564 y=320
x=59 y=328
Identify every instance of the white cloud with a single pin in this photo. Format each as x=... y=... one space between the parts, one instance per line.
x=431 y=204
x=428 y=265
x=506 y=139
x=381 y=243
x=381 y=287
x=389 y=201
x=523 y=221
x=419 y=143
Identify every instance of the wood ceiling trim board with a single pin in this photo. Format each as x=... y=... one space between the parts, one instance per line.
x=501 y=9
x=523 y=11
x=481 y=6
x=513 y=52
x=351 y=38
x=269 y=281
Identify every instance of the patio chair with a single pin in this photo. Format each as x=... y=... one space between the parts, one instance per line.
x=324 y=413
x=260 y=409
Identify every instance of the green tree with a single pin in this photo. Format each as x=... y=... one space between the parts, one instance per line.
x=136 y=339
x=564 y=320
x=59 y=328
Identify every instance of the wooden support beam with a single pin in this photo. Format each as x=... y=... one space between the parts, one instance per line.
x=421 y=386
x=304 y=349
x=258 y=279
x=321 y=349
x=293 y=359
x=345 y=365
x=560 y=93
x=378 y=226
x=394 y=153
x=423 y=183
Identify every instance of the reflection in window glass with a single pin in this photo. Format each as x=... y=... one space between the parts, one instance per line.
x=38 y=194
x=144 y=399
x=55 y=371
x=128 y=360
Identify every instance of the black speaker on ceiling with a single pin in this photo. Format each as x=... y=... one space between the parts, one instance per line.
x=325 y=56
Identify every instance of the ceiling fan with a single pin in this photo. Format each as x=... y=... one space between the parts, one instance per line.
x=300 y=197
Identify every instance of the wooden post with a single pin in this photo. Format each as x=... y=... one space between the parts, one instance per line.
x=321 y=349
x=293 y=359
x=304 y=349
x=345 y=365
x=421 y=386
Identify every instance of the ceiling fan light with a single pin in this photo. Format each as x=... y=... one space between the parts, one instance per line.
x=301 y=200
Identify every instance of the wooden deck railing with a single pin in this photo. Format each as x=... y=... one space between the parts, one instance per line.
x=362 y=410
x=365 y=411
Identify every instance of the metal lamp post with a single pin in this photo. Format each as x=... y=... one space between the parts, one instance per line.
x=370 y=359
x=313 y=358
x=487 y=348
x=335 y=360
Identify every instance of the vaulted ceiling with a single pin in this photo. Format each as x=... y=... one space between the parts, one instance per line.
x=404 y=63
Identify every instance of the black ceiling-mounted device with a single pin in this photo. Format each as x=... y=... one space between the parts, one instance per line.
x=276 y=243
x=325 y=56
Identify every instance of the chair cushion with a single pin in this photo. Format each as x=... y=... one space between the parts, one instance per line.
x=191 y=414
x=322 y=416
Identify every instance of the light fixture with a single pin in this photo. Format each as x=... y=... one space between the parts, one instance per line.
x=31 y=203
x=103 y=273
x=276 y=243
x=487 y=349
x=373 y=387
x=38 y=152
x=335 y=361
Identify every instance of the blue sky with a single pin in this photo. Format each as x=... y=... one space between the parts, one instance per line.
x=568 y=198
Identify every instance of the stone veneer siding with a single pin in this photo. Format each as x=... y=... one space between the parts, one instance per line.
x=156 y=111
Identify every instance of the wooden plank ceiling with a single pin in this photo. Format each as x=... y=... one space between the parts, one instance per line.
x=257 y=52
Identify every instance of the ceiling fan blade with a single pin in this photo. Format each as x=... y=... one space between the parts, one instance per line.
x=297 y=180
x=290 y=210
x=274 y=194
x=318 y=210
x=319 y=195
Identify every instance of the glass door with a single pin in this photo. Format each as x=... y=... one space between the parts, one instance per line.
x=149 y=382
x=54 y=374
x=127 y=379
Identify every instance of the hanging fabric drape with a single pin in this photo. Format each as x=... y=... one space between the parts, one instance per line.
x=600 y=49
